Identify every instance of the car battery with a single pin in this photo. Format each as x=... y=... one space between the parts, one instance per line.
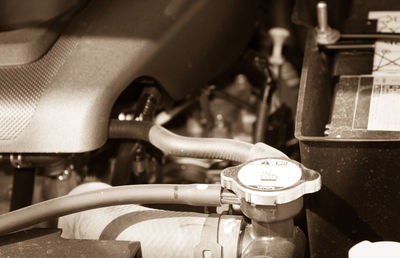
x=348 y=125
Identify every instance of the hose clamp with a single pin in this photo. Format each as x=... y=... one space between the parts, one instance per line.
x=208 y=246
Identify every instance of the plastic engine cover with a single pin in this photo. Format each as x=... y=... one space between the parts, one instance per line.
x=62 y=101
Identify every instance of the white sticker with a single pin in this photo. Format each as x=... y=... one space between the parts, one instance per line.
x=386 y=58
x=387 y=54
x=270 y=174
x=387 y=21
x=384 y=107
x=385 y=97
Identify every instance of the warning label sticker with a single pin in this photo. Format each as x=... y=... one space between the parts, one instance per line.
x=387 y=21
x=384 y=110
x=386 y=58
x=387 y=54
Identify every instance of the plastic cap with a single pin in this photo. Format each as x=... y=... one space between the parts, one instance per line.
x=278 y=35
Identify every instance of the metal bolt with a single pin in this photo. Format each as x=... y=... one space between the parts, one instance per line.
x=325 y=34
x=322 y=15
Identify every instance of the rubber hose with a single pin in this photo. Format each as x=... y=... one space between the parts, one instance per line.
x=192 y=194
x=203 y=148
x=173 y=144
x=161 y=233
x=130 y=130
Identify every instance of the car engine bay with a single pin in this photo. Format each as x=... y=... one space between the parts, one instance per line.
x=205 y=128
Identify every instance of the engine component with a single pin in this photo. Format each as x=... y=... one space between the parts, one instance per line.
x=271 y=193
x=24 y=167
x=136 y=162
x=209 y=235
x=62 y=101
x=270 y=202
x=193 y=194
x=172 y=144
x=270 y=181
x=56 y=96
x=156 y=193
x=161 y=233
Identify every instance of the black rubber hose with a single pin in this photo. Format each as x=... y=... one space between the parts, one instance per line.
x=173 y=144
x=130 y=130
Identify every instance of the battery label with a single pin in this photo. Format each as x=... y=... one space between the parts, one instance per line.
x=387 y=54
x=387 y=21
x=386 y=58
x=384 y=108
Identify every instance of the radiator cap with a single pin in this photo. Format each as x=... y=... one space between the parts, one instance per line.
x=270 y=181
